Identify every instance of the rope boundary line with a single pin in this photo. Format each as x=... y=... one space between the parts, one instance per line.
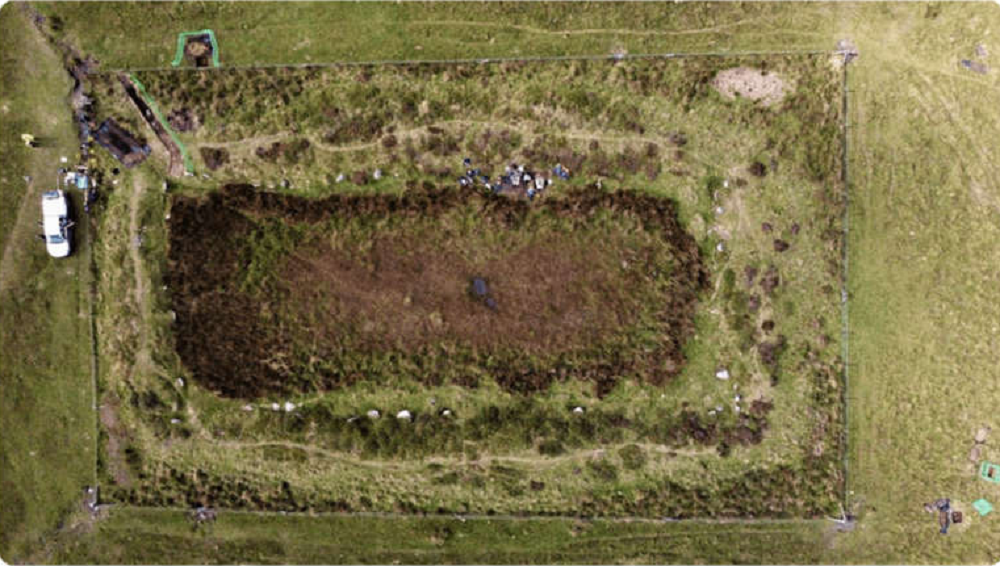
x=484 y=517
x=469 y=61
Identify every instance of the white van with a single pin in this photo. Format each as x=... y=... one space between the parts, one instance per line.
x=56 y=224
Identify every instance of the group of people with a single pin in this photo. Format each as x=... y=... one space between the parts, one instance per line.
x=944 y=512
x=514 y=178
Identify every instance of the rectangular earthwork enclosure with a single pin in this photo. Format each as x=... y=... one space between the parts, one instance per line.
x=654 y=334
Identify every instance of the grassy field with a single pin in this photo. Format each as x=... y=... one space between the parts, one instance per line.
x=312 y=33
x=134 y=536
x=923 y=286
x=47 y=442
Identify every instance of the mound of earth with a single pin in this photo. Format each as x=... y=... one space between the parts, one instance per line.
x=214 y=157
x=753 y=84
x=577 y=287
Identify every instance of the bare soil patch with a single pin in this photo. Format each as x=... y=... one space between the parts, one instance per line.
x=753 y=84
x=550 y=295
x=199 y=49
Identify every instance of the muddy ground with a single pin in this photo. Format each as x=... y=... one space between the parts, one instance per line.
x=553 y=315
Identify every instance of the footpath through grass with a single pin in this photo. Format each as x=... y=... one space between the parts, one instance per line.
x=47 y=426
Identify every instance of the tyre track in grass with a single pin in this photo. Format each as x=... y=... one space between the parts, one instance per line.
x=587 y=31
x=15 y=241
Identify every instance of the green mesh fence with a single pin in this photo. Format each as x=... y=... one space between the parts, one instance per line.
x=182 y=40
x=188 y=163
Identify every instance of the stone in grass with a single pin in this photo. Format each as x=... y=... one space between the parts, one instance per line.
x=275 y=407
x=976 y=453
x=722 y=374
x=578 y=410
x=982 y=434
x=289 y=406
x=373 y=414
x=975 y=66
x=404 y=415
x=248 y=408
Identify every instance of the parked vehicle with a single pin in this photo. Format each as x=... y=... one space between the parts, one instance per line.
x=56 y=225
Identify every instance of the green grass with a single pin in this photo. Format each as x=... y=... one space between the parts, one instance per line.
x=924 y=280
x=47 y=442
x=923 y=308
x=133 y=536
x=314 y=33
x=31 y=101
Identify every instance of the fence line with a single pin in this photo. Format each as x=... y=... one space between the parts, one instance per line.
x=611 y=57
x=480 y=61
x=845 y=291
x=94 y=349
x=485 y=517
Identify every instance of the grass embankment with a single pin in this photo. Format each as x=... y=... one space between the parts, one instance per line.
x=647 y=124
x=46 y=416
